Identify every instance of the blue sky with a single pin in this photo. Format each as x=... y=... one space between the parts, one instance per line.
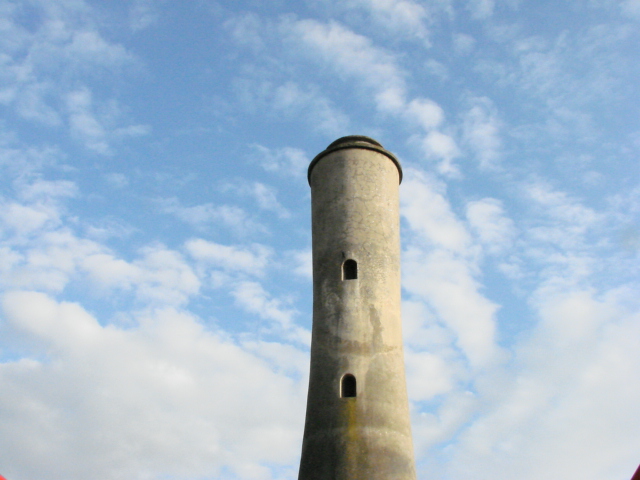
x=155 y=309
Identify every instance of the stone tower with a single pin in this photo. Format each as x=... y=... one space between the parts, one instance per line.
x=357 y=424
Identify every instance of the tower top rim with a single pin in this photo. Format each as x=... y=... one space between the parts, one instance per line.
x=354 y=141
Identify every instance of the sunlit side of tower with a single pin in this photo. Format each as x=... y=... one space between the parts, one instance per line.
x=357 y=423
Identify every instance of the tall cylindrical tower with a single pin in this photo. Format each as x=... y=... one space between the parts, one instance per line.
x=357 y=424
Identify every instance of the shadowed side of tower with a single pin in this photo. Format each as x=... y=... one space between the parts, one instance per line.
x=357 y=424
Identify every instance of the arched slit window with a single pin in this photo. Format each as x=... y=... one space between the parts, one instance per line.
x=349 y=270
x=348 y=386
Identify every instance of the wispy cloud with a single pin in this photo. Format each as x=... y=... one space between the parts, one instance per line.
x=251 y=260
x=165 y=277
x=94 y=128
x=355 y=57
x=254 y=298
x=563 y=222
x=65 y=39
x=265 y=196
x=448 y=285
x=429 y=214
x=286 y=161
x=488 y=220
x=290 y=100
x=209 y=216
x=631 y=8
x=142 y=14
x=481 y=9
x=401 y=17
x=247 y=30
x=482 y=132
x=83 y=123
x=439 y=267
x=302 y=262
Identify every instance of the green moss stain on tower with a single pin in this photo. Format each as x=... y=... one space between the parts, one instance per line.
x=357 y=424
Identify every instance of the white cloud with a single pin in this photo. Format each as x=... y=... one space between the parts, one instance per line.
x=287 y=160
x=41 y=252
x=571 y=397
x=67 y=35
x=159 y=277
x=437 y=69
x=93 y=128
x=429 y=214
x=166 y=277
x=631 y=8
x=25 y=162
x=481 y=132
x=447 y=285
x=32 y=102
x=117 y=180
x=353 y=55
x=302 y=262
x=481 y=9
x=25 y=219
x=142 y=14
x=425 y=112
x=208 y=216
x=282 y=358
x=430 y=375
x=550 y=69
x=421 y=330
x=246 y=30
x=131 y=131
x=66 y=325
x=265 y=196
x=288 y=100
x=109 y=272
x=463 y=44
x=439 y=265
x=572 y=317
x=64 y=39
x=252 y=297
x=46 y=191
x=433 y=144
x=89 y=47
x=251 y=260
x=564 y=221
x=495 y=231
x=320 y=112
x=429 y=428
x=559 y=205
x=83 y=123
x=92 y=409
x=402 y=17
x=440 y=146
x=51 y=261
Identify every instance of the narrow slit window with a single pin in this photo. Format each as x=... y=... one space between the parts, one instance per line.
x=349 y=270
x=348 y=386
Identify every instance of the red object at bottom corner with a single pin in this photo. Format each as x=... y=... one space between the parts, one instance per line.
x=636 y=476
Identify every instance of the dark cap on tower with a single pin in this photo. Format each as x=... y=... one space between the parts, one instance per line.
x=355 y=141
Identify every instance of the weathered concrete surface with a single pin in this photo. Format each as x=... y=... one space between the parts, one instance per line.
x=356 y=323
